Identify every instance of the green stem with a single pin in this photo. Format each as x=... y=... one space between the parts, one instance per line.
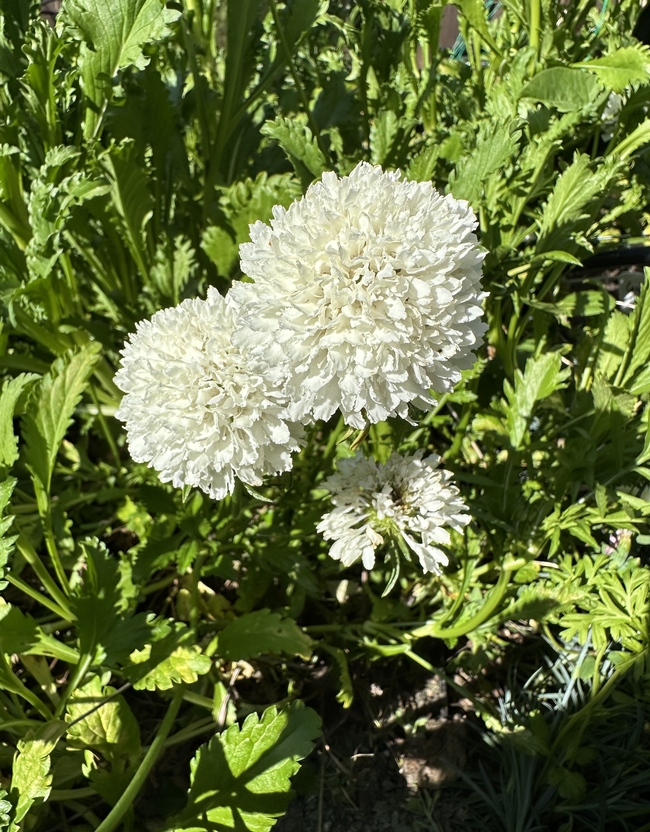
x=114 y=817
x=296 y=80
x=535 y=23
x=77 y=677
x=37 y=596
x=28 y=552
x=488 y=609
x=110 y=439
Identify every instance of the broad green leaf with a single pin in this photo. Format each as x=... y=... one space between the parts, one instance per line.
x=542 y=376
x=50 y=410
x=110 y=730
x=261 y=632
x=297 y=141
x=622 y=68
x=240 y=780
x=614 y=344
x=31 y=778
x=585 y=304
x=171 y=659
x=11 y=392
x=564 y=88
x=113 y=34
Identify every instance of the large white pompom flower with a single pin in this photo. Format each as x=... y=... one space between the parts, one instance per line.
x=370 y=287
x=198 y=409
x=407 y=497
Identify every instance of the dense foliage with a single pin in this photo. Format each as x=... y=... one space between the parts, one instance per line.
x=137 y=142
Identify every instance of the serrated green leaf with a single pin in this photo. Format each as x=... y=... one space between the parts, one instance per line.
x=622 y=68
x=19 y=633
x=132 y=200
x=113 y=34
x=261 y=632
x=423 y=164
x=243 y=204
x=383 y=132
x=496 y=145
x=50 y=409
x=240 y=780
x=107 y=633
x=6 y=543
x=31 y=778
x=574 y=200
x=171 y=659
x=542 y=376
x=11 y=392
x=297 y=141
x=110 y=730
x=564 y=88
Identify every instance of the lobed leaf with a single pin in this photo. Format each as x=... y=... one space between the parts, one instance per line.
x=240 y=780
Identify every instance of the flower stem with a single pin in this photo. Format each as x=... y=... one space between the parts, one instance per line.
x=114 y=817
x=535 y=23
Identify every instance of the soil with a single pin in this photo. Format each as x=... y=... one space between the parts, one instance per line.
x=381 y=764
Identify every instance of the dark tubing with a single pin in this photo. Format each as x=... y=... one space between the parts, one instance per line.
x=631 y=256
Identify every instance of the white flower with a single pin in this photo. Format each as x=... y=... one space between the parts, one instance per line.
x=370 y=286
x=407 y=497
x=197 y=408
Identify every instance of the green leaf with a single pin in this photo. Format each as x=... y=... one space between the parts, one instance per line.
x=573 y=202
x=245 y=203
x=423 y=164
x=11 y=392
x=50 y=409
x=31 y=778
x=6 y=543
x=474 y=12
x=571 y=784
x=110 y=730
x=383 y=132
x=100 y=603
x=564 y=88
x=113 y=34
x=19 y=633
x=171 y=659
x=622 y=68
x=297 y=141
x=496 y=145
x=542 y=376
x=240 y=780
x=261 y=632
x=132 y=200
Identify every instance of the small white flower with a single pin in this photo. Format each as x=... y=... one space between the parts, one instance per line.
x=198 y=409
x=407 y=497
x=369 y=288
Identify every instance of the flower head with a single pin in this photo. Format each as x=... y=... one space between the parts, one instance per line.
x=198 y=409
x=408 y=497
x=369 y=287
